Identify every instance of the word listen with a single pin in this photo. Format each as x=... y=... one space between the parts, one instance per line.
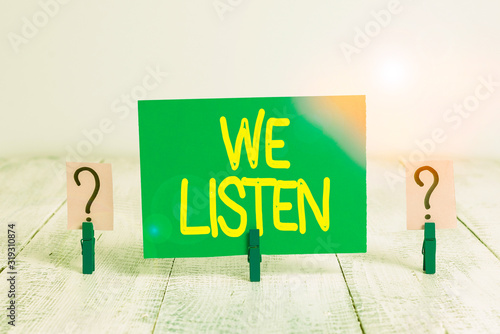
x=252 y=148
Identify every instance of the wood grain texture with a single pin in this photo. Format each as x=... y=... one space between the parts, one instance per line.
x=32 y=190
x=298 y=293
x=393 y=295
x=478 y=200
x=123 y=294
x=385 y=289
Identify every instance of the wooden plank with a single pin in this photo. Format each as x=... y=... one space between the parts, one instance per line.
x=478 y=199
x=389 y=289
x=123 y=294
x=32 y=191
x=297 y=293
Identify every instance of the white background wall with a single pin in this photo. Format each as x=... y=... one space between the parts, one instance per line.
x=65 y=74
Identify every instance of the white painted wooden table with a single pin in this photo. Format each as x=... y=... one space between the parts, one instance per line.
x=382 y=291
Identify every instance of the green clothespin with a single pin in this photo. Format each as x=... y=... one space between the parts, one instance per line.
x=254 y=257
x=429 y=248
x=88 y=248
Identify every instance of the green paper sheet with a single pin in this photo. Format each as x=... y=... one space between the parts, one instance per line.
x=293 y=167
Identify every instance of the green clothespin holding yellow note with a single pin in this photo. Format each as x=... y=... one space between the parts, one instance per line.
x=86 y=179
x=430 y=203
x=88 y=248
x=429 y=248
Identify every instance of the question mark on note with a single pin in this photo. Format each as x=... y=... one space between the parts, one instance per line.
x=431 y=189
x=96 y=187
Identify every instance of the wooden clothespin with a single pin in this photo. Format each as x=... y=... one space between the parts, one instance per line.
x=429 y=248
x=88 y=248
x=254 y=257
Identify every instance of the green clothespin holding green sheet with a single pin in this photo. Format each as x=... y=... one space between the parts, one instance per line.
x=429 y=248
x=88 y=248
x=254 y=257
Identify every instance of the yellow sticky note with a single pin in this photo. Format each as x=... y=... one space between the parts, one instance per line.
x=430 y=195
x=90 y=195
